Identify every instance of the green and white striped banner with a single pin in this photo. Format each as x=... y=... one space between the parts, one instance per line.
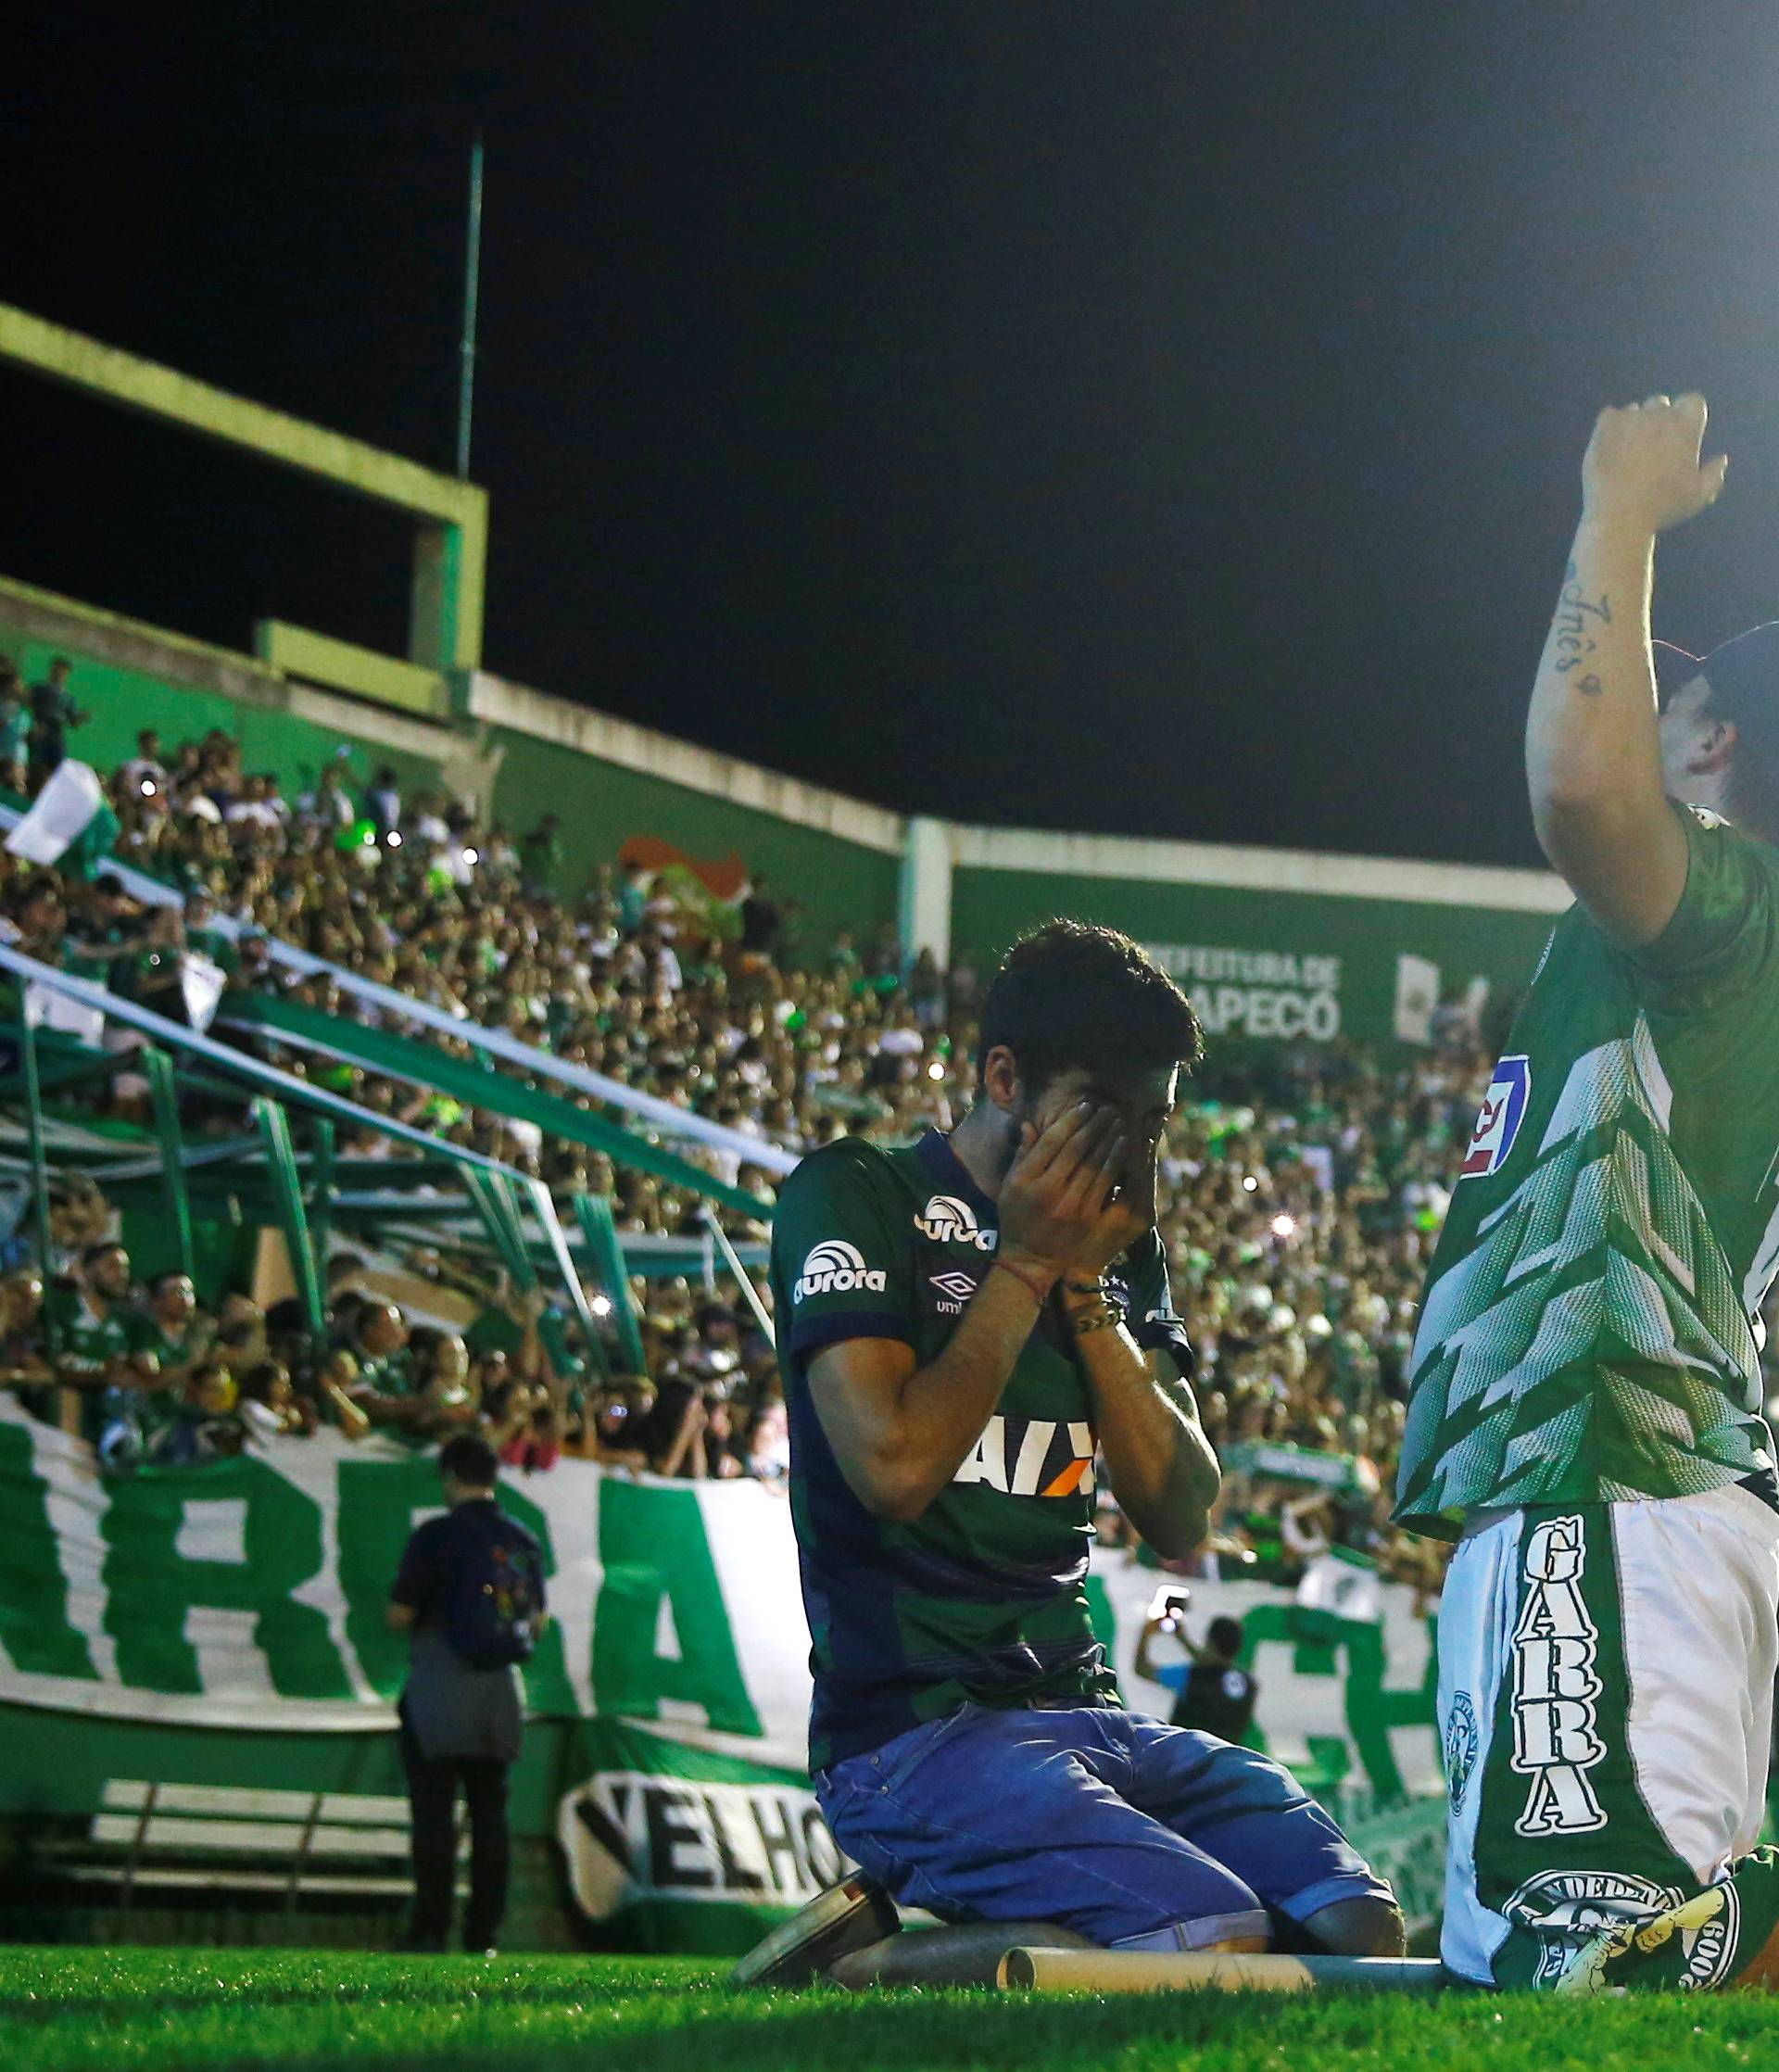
x=223 y=1624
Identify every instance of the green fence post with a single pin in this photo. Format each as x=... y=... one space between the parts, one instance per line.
x=321 y=1191
x=281 y=1159
x=497 y=1203
x=39 y=1161
x=159 y=1069
x=598 y=1227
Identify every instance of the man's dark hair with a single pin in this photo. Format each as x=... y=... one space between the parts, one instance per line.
x=1070 y=996
x=91 y=1255
x=1224 y=1635
x=470 y=1461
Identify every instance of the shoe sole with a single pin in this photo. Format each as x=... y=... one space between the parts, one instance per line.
x=847 y=1916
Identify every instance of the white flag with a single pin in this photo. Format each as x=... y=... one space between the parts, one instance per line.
x=59 y=816
x=201 y=981
x=1417 y=996
x=46 y=1008
x=1344 y=1583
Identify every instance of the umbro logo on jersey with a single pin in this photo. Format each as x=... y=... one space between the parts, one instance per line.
x=1504 y=1108
x=837 y=1267
x=953 y=1289
x=946 y=1220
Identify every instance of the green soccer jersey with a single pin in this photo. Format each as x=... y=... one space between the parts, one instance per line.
x=186 y=1350
x=384 y=1374
x=1590 y=1330
x=86 y=1343
x=982 y=1598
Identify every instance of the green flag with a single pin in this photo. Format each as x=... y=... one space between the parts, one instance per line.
x=159 y=1069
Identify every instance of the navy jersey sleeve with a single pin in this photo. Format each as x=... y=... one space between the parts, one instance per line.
x=419 y=1577
x=1151 y=1319
x=843 y=1250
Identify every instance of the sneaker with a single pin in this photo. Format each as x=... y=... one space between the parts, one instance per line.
x=846 y=1917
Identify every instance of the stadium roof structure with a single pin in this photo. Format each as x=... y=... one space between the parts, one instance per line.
x=446 y=592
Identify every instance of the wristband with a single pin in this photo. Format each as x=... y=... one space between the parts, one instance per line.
x=1039 y=1293
x=1094 y=1316
x=1094 y=1288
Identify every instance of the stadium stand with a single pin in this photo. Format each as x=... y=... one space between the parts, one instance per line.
x=1303 y=1195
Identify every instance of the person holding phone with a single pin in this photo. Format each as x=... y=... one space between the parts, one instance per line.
x=1213 y=1693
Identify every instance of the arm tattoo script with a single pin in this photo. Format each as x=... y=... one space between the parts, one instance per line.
x=1574 y=630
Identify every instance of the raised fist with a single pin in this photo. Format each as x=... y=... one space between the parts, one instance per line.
x=1643 y=463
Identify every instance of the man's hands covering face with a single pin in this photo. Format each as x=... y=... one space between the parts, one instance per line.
x=1080 y=1190
x=1054 y=1199
x=1127 y=1212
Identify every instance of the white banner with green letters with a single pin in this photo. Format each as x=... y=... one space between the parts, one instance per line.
x=250 y=1593
x=149 y=1617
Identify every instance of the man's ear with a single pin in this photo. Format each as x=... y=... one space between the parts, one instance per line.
x=1715 y=748
x=1001 y=1077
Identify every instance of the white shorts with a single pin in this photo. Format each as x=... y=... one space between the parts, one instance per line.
x=1606 y=1677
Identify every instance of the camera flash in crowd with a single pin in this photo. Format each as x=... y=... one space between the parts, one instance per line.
x=1249 y=1183
x=1285 y=1226
x=394 y=838
x=601 y=1305
x=471 y=856
x=935 y=1070
x=147 y=788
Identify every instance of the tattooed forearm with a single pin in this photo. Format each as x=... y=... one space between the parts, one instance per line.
x=1572 y=630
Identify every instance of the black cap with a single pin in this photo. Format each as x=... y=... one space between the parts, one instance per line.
x=1743 y=677
x=1674 y=667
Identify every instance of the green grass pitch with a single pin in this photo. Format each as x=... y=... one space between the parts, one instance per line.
x=192 y=2011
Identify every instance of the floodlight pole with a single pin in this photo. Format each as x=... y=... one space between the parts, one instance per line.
x=466 y=351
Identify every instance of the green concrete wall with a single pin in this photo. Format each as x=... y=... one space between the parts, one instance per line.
x=989 y=908
x=602 y=805
x=842 y=884
x=124 y=699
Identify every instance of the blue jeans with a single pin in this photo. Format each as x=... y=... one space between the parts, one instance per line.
x=1101 y=1820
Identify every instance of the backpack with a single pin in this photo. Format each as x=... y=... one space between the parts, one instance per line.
x=489 y=1614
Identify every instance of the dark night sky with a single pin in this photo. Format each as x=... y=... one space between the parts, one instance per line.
x=1159 y=419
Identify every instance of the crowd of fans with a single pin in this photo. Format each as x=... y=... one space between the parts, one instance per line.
x=152 y=1377
x=1301 y=1200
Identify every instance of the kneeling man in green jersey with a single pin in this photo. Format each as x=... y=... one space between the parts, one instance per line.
x=968 y=1327
x=1586 y=1416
